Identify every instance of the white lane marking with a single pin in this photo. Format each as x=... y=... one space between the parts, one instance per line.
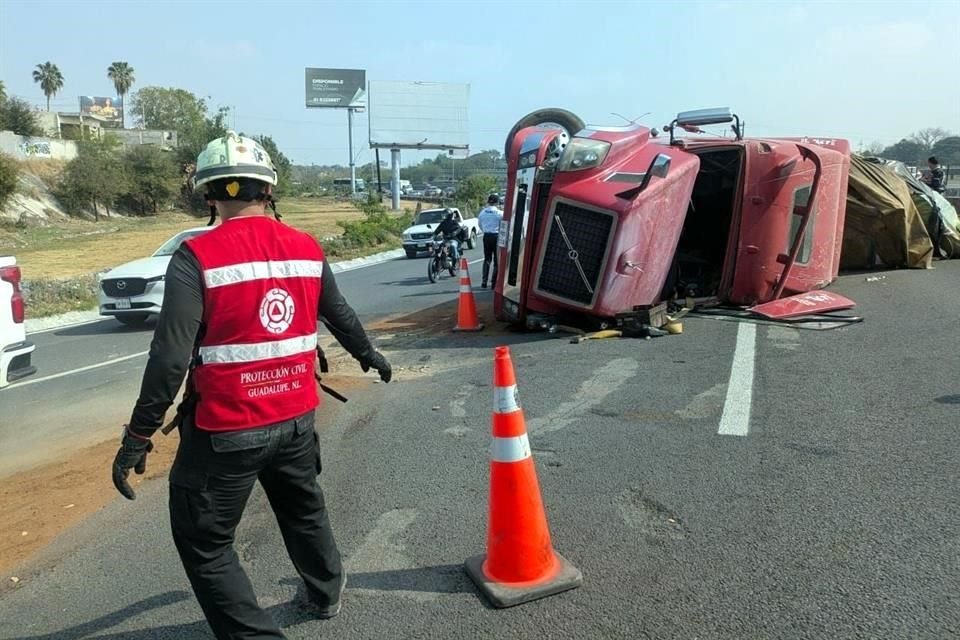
x=787 y=338
x=705 y=404
x=475 y=261
x=99 y=365
x=592 y=392
x=382 y=552
x=458 y=404
x=735 y=420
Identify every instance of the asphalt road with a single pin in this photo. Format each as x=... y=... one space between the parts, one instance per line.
x=834 y=515
x=88 y=375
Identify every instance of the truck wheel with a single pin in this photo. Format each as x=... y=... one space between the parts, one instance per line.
x=566 y=119
x=472 y=241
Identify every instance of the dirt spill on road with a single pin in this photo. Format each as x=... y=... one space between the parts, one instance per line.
x=41 y=503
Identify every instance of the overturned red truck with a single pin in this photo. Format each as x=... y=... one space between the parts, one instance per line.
x=604 y=222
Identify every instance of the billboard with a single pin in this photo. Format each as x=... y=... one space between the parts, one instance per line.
x=109 y=109
x=336 y=88
x=419 y=115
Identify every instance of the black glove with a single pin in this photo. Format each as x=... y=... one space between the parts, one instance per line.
x=378 y=362
x=132 y=455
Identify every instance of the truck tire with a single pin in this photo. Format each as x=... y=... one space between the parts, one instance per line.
x=566 y=119
x=472 y=241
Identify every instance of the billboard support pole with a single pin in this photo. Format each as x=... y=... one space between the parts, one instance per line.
x=395 y=179
x=379 y=180
x=353 y=168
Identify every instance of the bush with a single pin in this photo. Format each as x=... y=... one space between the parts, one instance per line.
x=45 y=297
x=9 y=177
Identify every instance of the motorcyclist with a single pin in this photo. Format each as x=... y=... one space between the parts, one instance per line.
x=452 y=232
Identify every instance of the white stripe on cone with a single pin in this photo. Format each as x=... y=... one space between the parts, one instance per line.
x=512 y=449
x=506 y=399
x=465 y=288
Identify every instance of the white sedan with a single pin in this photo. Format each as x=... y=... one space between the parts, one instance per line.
x=133 y=291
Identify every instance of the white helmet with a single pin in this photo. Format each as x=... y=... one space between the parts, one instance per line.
x=234 y=156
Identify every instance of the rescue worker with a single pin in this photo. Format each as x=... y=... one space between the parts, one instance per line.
x=241 y=306
x=935 y=179
x=489 y=219
x=451 y=231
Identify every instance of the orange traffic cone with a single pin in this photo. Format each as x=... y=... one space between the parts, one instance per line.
x=467 y=309
x=520 y=564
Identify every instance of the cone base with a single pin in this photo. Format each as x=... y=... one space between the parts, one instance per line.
x=502 y=595
x=477 y=328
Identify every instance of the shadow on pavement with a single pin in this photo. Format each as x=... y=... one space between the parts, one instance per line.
x=107 y=327
x=86 y=629
x=954 y=399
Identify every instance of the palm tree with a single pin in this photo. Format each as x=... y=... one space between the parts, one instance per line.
x=122 y=75
x=50 y=79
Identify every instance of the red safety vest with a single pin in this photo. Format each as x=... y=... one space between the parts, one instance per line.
x=262 y=285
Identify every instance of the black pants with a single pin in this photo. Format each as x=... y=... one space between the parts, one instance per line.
x=211 y=479
x=489 y=255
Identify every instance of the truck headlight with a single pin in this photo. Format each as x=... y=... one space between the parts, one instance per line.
x=407 y=237
x=583 y=153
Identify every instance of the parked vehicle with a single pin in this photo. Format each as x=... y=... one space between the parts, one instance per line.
x=417 y=238
x=441 y=259
x=15 y=350
x=603 y=222
x=132 y=292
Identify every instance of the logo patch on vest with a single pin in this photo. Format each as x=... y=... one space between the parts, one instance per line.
x=276 y=311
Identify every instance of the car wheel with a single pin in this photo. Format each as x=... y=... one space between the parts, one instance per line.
x=133 y=319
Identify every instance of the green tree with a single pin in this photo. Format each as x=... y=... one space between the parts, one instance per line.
x=121 y=74
x=153 y=178
x=929 y=136
x=907 y=151
x=280 y=162
x=473 y=191
x=9 y=177
x=3 y=92
x=17 y=116
x=96 y=176
x=180 y=110
x=947 y=150
x=50 y=79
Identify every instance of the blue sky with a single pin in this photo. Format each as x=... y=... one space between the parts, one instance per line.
x=867 y=71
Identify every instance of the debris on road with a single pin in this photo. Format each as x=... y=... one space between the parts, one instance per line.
x=14 y=579
x=875 y=278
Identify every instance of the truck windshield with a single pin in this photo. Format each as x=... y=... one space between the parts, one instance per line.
x=431 y=217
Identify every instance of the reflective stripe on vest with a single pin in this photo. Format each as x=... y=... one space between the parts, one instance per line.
x=248 y=271
x=234 y=353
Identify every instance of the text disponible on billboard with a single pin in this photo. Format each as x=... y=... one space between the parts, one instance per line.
x=336 y=88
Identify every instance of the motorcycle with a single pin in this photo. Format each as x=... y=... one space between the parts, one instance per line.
x=440 y=259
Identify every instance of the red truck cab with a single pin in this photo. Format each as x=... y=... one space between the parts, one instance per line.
x=602 y=221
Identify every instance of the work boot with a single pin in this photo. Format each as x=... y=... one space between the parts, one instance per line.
x=332 y=610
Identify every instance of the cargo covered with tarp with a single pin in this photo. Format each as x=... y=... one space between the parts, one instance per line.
x=883 y=225
x=939 y=216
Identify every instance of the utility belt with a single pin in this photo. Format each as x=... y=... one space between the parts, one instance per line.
x=188 y=403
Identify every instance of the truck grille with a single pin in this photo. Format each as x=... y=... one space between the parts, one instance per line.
x=589 y=233
x=421 y=236
x=124 y=287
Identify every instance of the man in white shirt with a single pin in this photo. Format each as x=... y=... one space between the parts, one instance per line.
x=489 y=220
